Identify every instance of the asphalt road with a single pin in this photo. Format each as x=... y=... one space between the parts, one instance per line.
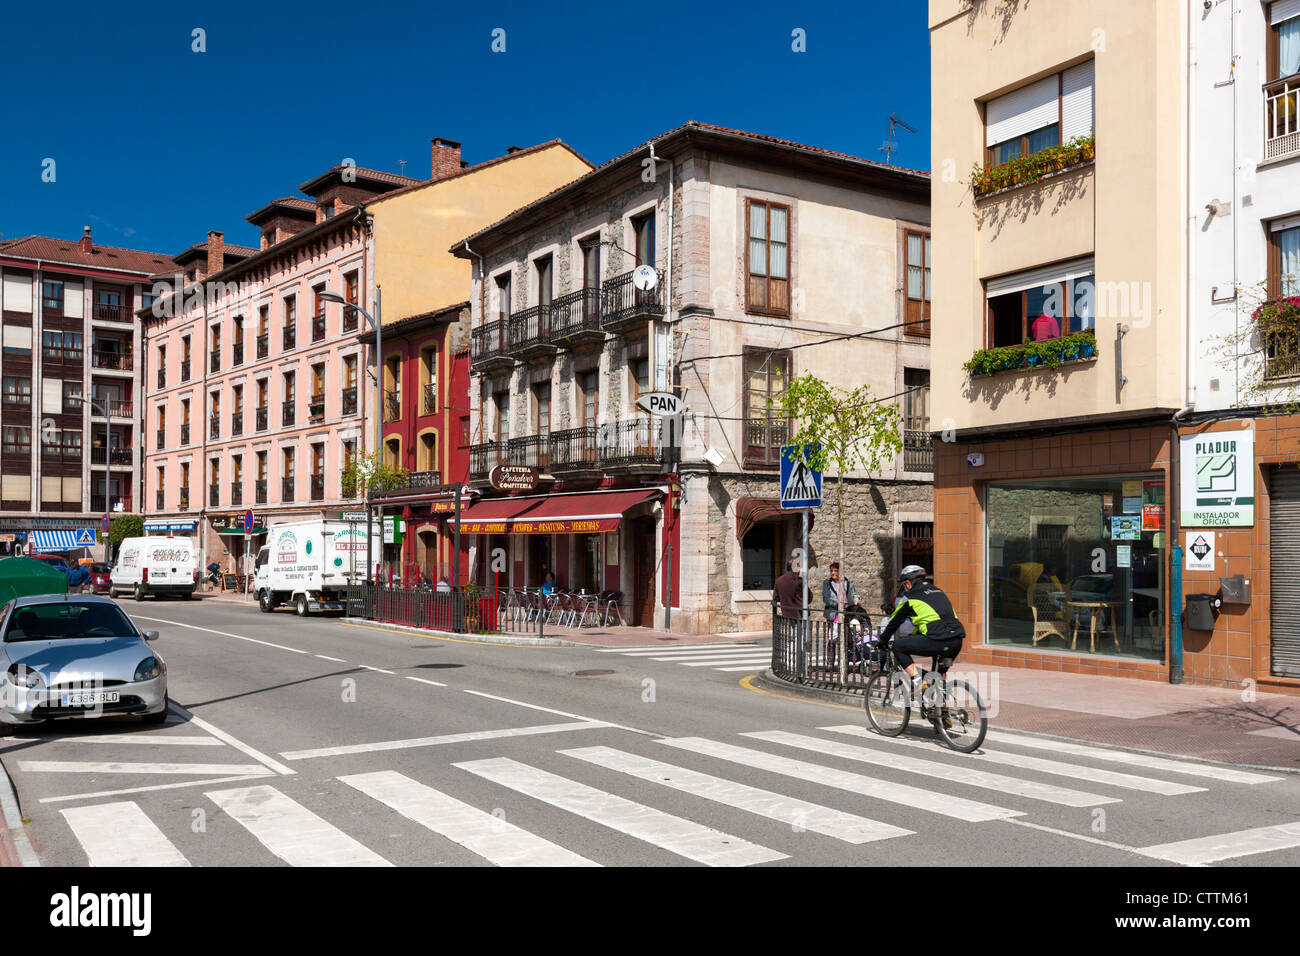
x=323 y=741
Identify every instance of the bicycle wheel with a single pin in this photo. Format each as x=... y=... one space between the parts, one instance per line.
x=888 y=703
x=966 y=714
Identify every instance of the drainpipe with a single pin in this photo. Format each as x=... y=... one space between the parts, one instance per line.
x=1175 y=552
x=668 y=365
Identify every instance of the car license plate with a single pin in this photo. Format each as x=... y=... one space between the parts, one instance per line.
x=95 y=697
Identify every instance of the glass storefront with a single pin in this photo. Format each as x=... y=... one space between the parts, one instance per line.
x=1077 y=564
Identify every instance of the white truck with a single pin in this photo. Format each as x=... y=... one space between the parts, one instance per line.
x=155 y=566
x=308 y=564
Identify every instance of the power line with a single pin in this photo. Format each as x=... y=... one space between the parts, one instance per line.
x=804 y=345
x=874 y=401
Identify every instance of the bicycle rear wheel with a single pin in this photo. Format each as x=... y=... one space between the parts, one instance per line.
x=968 y=718
x=888 y=703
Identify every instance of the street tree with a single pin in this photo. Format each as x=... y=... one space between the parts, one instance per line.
x=370 y=474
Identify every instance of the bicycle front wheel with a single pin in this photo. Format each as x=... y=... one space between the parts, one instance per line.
x=964 y=720
x=888 y=703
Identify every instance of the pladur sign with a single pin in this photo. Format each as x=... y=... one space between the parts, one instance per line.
x=1217 y=479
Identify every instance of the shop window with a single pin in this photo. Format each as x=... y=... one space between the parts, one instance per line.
x=759 y=552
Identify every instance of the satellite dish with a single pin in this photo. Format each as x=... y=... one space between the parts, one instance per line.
x=645 y=278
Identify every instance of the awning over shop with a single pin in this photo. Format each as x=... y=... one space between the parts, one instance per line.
x=162 y=524
x=750 y=511
x=63 y=540
x=552 y=514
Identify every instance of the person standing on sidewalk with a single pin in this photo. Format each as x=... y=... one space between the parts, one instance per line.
x=838 y=595
x=788 y=594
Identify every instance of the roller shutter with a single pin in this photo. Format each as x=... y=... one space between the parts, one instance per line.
x=1284 y=561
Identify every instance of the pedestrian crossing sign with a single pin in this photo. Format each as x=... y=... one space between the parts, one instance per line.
x=85 y=538
x=801 y=484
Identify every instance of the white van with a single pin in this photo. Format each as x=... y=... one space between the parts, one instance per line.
x=155 y=566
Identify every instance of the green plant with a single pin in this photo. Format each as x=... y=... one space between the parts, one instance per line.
x=369 y=474
x=1032 y=168
x=124 y=526
x=1049 y=352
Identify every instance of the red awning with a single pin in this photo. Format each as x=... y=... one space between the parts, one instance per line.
x=750 y=511
x=552 y=514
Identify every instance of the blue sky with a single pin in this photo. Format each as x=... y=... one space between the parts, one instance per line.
x=154 y=144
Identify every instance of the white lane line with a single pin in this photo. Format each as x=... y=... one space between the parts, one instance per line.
x=791 y=811
x=174 y=740
x=1074 y=836
x=1136 y=760
x=290 y=830
x=747 y=667
x=650 y=649
x=424 y=680
x=66 y=798
x=674 y=834
x=953 y=773
x=1226 y=846
x=238 y=637
x=751 y=661
x=119 y=834
x=492 y=838
x=239 y=745
x=336 y=660
x=367 y=667
x=971 y=811
x=1113 y=777
x=443 y=739
x=558 y=713
x=699 y=655
x=108 y=766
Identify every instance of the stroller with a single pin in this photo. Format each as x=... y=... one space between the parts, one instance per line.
x=856 y=624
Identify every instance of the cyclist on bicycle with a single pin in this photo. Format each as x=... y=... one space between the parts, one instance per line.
x=937 y=632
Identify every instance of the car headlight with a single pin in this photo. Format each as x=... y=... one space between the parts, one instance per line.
x=23 y=676
x=149 y=669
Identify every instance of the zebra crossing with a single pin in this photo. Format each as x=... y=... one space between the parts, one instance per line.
x=727 y=657
x=847 y=779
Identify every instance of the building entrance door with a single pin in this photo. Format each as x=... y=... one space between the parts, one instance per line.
x=540 y=560
x=643 y=595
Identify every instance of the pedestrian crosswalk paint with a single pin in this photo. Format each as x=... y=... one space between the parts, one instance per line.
x=1226 y=846
x=1060 y=769
x=119 y=834
x=443 y=739
x=491 y=837
x=1228 y=774
x=961 y=808
x=105 y=766
x=290 y=830
x=674 y=834
x=788 y=810
x=751 y=661
x=175 y=740
x=646 y=650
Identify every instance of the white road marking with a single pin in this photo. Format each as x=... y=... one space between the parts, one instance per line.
x=239 y=745
x=290 y=830
x=366 y=667
x=108 y=766
x=651 y=649
x=261 y=775
x=747 y=667
x=1227 y=846
x=423 y=680
x=174 y=740
x=491 y=837
x=1137 y=760
x=238 y=637
x=953 y=773
x=1078 y=771
x=1074 y=836
x=702 y=655
x=119 y=834
x=788 y=810
x=336 y=660
x=971 y=811
x=558 y=713
x=674 y=834
x=751 y=661
x=443 y=739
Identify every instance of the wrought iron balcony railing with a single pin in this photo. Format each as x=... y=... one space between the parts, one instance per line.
x=316 y=407
x=531 y=450
x=637 y=441
x=117 y=408
x=287 y=489
x=529 y=333
x=263 y=345
x=487 y=346
x=392 y=406
x=626 y=308
x=162 y=439
x=237 y=354
x=410 y=481
x=290 y=337
x=318 y=327
x=259 y=492
x=261 y=419
x=575 y=319
x=317 y=487
x=214 y=495
x=763 y=441
x=485 y=456
x=350 y=400
x=185 y=499
x=288 y=412
x=214 y=428
x=236 y=423
x=185 y=370
x=116 y=456
x=104 y=312
x=918 y=450
x=185 y=434
x=214 y=360
x=162 y=378
x=574 y=449
x=430 y=398
x=236 y=492
x=158 y=500
x=111 y=360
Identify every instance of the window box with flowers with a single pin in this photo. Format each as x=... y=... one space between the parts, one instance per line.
x=1277 y=321
x=1048 y=353
x=1035 y=167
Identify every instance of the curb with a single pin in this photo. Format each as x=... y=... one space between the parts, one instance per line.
x=770 y=681
x=463 y=638
x=14 y=821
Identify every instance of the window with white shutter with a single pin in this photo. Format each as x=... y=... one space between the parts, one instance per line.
x=1045 y=113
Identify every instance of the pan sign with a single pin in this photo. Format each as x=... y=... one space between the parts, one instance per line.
x=513 y=477
x=662 y=404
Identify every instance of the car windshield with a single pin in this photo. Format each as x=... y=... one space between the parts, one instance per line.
x=99 y=568
x=67 y=619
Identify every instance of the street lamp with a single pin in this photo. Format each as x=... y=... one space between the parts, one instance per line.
x=327 y=296
x=103 y=410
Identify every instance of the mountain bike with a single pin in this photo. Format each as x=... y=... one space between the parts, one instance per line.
x=952 y=706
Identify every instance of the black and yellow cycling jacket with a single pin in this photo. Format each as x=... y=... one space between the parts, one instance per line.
x=931 y=614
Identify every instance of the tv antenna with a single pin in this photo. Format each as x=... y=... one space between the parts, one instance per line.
x=888 y=147
x=402 y=163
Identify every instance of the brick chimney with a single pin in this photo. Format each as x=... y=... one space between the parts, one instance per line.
x=216 y=251
x=87 y=247
x=445 y=158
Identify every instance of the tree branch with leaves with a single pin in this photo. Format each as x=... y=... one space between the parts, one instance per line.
x=365 y=475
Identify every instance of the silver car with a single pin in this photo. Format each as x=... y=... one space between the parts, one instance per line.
x=76 y=655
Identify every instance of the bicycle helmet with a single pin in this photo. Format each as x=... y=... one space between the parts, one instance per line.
x=913 y=572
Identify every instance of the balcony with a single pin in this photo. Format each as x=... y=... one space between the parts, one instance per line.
x=486 y=456
x=185 y=499
x=349 y=319
x=162 y=378
x=261 y=419
x=763 y=441
x=350 y=400
x=918 y=451
x=430 y=404
x=316 y=408
x=111 y=360
x=318 y=328
x=317 y=487
x=237 y=354
x=117 y=408
x=98 y=504
x=185 y=370
x=236 y=492
x=162 y=439
x=158 y=500
x=236 y=424
x=214 y=495
x=392 y=406
x=288 y=413
x=105 y=312
x=1282 y=118
x=259 y=492
x=637 y=442
x=412 y=481
x=214 y=360
x=287 y=490
x=487 y=347
x=575 y=320
x=18 y=399
x=263 y=345
x=116 y=456
x=185 y=434
x=214 y=428
x=533 y=451
x=626 y=308
x=574 y=450
x=290 y=337
x=528 y=334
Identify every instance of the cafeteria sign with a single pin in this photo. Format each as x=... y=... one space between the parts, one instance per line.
x=1217 y=480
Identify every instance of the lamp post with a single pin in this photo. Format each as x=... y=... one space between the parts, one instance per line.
x=328 y=296
x=103 y=410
